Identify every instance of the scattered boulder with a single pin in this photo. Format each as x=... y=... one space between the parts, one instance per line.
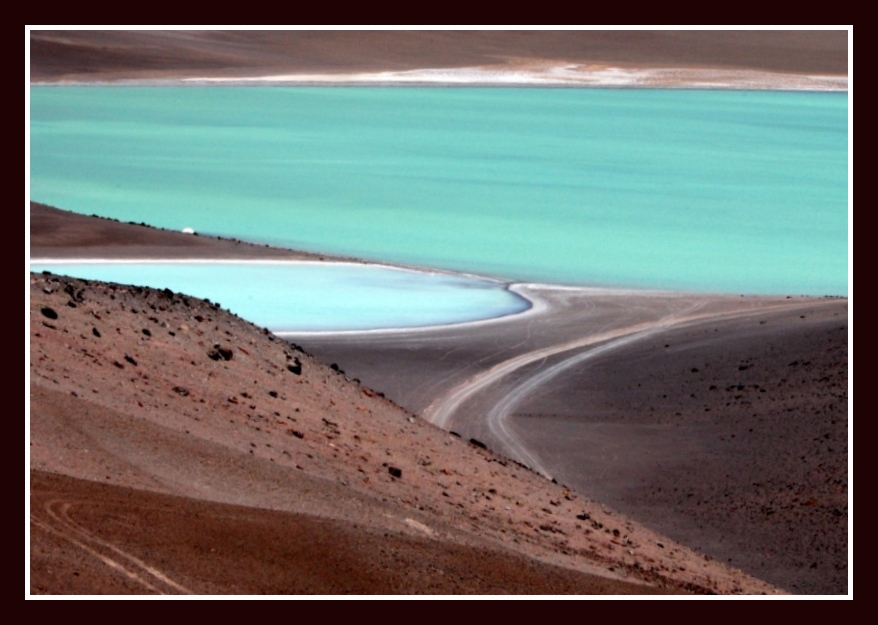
x=296 y=367
x=182 y=391
x=477 y=443
x=395 y=472
x=220 y=352
x=130 y=360
x=49 y=313
x=95 y=332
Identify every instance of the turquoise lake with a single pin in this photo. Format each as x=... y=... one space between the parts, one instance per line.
x=716 y=191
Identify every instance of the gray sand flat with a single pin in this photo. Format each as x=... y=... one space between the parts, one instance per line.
x=718 y=420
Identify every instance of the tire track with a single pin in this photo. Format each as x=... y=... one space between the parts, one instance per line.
x=443 y=410
x=129 y=565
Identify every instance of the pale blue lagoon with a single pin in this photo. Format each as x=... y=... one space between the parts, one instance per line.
x=314 y=296
x=714 y=191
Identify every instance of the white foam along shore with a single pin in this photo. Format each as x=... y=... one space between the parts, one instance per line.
x=554 y=75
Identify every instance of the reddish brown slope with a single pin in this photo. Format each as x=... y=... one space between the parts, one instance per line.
x=132 y=388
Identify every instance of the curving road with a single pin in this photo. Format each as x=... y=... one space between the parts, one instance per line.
x=446 y=408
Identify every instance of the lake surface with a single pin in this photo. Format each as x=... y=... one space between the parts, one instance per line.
x=716 y=191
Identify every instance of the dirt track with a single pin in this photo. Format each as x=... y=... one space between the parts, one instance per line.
x=720 y=421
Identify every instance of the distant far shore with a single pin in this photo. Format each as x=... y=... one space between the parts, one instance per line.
x=807 y=60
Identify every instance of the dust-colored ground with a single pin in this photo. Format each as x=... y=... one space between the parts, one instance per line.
x=94 y=538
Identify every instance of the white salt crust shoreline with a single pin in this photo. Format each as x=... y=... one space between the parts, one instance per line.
x=532 y=75
x=541 y=298
x=539 y=302
x=535 y=305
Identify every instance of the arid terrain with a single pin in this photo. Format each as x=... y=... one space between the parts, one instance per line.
x=176 y=448
x=605 y=442
x=167 y=401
